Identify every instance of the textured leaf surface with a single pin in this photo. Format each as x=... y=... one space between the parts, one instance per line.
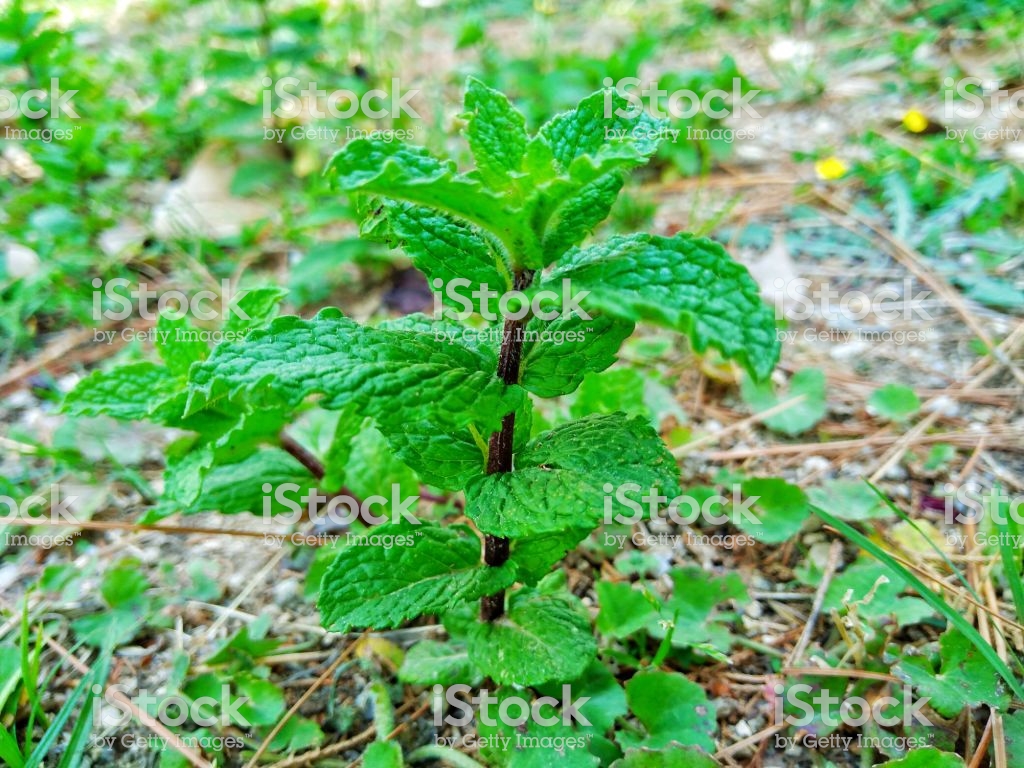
x=578 y=163
x=130 y=392
x=379 y=588
x=235 y=487
x=443 y=459
x=686 y=283
x=496 y=132
x=586 y=130
x=409 y=173
x=177 y=345
x=534 y=555
x=395 y=376
x=540 y=638
x=444 y=248
x=554 y=364
x=559 y=479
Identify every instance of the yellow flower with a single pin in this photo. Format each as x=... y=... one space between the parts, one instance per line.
x=914 y=121
x=831 y=168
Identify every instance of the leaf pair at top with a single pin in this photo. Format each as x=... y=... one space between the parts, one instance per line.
x=528 y=203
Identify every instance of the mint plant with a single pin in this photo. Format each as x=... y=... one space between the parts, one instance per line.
x=453 y=403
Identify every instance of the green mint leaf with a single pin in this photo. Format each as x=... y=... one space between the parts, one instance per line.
x=534 y=555
x=409 y=173
x=448 y=250
x=587 y=133
x=578 y=162
x=443 y=459
x=560 y=477
x=496 y=132
x=579 y=212
x=228 y=439
x=236 y=487
x=375 y=587
x=260 y=304
x=685 y=283
x=448 y=459
x=179 y=344
x=396 y=377
x=540 y=638
x=449 y=331
x=130 y=392
x=554 y=363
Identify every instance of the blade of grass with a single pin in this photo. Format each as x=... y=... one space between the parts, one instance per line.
x=9 y=751
x=1006 y=553
x=97 y=673
x=1008 y=528
x=945 y=558
x=932 y=598
x=79 y=740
